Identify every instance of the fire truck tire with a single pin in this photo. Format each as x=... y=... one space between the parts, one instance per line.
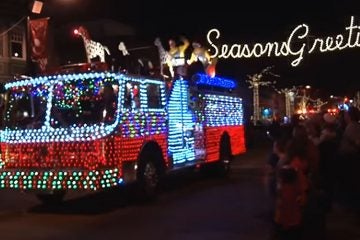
x=224 y=163
x=150 y=173
x=53 y=198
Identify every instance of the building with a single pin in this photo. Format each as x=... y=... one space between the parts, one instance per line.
x=13 y=52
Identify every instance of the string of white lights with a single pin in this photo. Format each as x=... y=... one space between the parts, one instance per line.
x=350 y=39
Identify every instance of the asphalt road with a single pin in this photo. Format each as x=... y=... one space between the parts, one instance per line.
x=191 y=206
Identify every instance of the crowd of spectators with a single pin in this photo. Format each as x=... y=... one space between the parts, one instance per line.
x=312 y=159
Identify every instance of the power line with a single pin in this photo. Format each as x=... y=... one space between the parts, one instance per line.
x=12 y=27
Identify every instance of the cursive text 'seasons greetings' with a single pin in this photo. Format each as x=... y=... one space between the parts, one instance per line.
x=349 y=39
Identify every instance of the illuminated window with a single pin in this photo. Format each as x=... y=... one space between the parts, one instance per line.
x=132 y=95
x=154 y=96
x=16 y=43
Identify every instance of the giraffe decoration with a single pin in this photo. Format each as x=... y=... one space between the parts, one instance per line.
x=93 y=49
x=165 y=58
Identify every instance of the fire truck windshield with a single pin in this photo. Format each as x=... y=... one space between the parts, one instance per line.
x=81 y=102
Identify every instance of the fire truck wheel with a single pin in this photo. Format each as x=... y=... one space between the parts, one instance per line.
x=55 y=197
x=224 y=164
x=149 y=179
x=150 y=171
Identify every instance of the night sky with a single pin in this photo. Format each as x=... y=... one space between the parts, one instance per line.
x=250 y=22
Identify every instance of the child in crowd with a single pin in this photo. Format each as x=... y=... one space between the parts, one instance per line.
x=292 y=187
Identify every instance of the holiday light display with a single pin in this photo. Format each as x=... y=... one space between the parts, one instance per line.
x=255 y=82
x=202 y=79
x=287 y=48
x=223 y=111
x=77 y=131
x=290 y=94
x=181 y=125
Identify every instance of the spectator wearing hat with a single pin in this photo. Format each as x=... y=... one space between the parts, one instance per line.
x=350 y=143
x=350 y=151
x=328 y=131
x=328 y=145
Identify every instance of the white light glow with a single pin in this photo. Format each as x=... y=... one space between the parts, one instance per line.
x=286 y=48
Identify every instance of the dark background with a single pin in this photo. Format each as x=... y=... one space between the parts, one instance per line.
x=239 y=22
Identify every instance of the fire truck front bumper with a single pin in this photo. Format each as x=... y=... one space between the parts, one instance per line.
x=50 y=180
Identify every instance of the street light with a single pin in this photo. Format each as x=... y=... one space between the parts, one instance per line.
x=37 y=7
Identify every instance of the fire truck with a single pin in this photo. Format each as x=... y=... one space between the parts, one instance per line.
x=93 y=130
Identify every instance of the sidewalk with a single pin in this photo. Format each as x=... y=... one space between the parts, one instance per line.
x=343 y=223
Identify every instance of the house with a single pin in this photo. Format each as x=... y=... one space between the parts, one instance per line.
x=13 y=52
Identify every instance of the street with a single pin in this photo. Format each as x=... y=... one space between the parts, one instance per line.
x=191 y=206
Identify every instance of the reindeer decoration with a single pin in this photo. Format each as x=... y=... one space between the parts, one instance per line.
x=93 y=49
x=165 y=58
